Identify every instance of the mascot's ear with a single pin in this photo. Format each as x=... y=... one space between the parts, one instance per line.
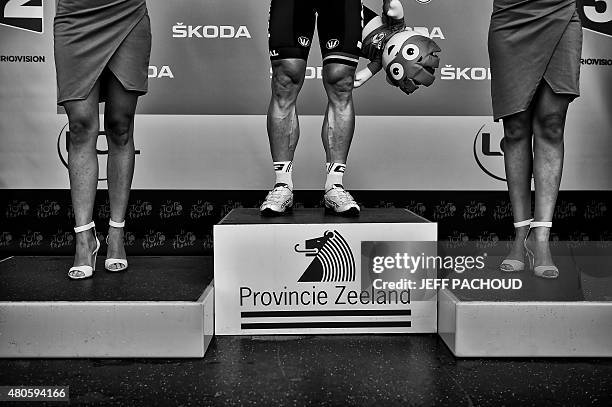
x=429 y=47
x=434 y=46
x=407 y=86
x=431 y=61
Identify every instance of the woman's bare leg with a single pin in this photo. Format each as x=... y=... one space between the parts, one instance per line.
x=119 y=128
x=84 y=127
x=549 y=115
x=518 y=160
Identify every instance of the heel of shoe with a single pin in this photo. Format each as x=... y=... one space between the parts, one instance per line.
x=95 y=253
x=530 y=258
x=528 y=253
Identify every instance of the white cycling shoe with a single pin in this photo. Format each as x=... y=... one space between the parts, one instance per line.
x=278 y=201
x=340 y=202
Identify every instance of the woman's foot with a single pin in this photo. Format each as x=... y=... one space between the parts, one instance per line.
x=542 y=261
x=115 y=249
x=85 y=246
x=515 y=260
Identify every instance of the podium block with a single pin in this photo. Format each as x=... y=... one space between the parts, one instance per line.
x=567 y=317
x=161 y=307
x=310 y=273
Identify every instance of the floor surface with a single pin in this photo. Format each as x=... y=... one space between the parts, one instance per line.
x=381 y=370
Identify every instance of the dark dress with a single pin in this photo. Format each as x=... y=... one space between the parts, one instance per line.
x=93 y=35
x=531 y=40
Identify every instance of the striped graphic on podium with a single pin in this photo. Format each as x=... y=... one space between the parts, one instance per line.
x=333 y=259
x=299 y=319
x=332 y=262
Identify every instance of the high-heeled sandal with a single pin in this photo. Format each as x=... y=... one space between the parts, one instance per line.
x=513 y=265
x=85 y=271
x=123 y=263
x=543 y=271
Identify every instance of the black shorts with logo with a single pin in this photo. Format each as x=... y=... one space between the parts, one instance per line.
x=339 y=24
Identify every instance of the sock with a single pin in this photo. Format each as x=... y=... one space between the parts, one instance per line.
x=284 y=170
x=335 y=171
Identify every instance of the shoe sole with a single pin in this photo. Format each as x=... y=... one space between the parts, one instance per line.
x=79 y=278
x=116 y=271
x=349 y=213
x=270 y=213
x=511 y=271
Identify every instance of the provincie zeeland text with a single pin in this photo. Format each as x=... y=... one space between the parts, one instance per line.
x=339 y=295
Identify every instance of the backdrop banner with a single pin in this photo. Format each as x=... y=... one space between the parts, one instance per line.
x=209 y=88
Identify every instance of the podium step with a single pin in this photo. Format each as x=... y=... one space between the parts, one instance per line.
x=309 y=272
x=160 y=307
x=312 y=216
x=567 y=317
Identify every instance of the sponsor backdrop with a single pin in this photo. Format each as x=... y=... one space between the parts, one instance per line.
x=202 y=125
x=40 y=222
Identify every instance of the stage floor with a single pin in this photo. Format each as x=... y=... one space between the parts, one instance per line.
x=326 y=370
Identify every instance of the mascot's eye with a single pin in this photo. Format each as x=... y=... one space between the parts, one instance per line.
x=410 y=52
x=397 y=71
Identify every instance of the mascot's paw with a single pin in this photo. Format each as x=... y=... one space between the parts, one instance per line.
x=410 y=60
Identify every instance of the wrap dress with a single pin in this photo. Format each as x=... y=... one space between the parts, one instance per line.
x=93 y=35
x=531 y=41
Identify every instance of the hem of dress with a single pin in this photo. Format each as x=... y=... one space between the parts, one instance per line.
x=60 y=102
x=498 y=117
x=126 y=87
x=575 y=95
x=101 y=69
x=140 y=92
